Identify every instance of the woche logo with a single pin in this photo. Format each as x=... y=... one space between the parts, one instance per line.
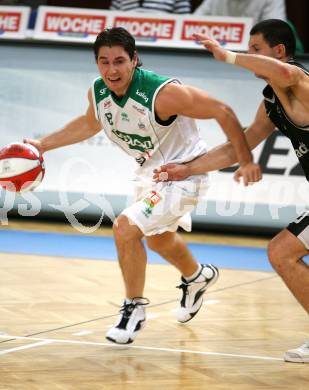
x=146 y=27
x=10 y=21
x=228 y=32
x=74 y=23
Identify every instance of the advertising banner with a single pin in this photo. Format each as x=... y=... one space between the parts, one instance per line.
x=69 y=24
x=233 y=32
x=164 y=30
x=148 y=30
x=13 y=22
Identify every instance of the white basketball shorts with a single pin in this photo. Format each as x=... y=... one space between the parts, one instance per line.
x=163 y=207
x=300 y=228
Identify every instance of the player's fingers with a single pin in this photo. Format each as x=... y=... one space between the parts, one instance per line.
x=237 y=176
x=199 y=37
x=163 y=168
x=163 y=176
x=208 y=44
x=30 y=142
x=245 y=180
x=160 y=174
x=257 y=175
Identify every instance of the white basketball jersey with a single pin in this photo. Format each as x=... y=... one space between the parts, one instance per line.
x=131 y=123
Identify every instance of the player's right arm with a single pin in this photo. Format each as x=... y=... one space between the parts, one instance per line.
x=79 y=129
x=221 y=156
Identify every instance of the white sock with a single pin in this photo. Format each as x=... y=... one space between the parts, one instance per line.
x=207 y=271
x=193 y=276
x=137 y=299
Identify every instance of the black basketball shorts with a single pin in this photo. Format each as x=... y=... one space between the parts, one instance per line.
x=300 y=228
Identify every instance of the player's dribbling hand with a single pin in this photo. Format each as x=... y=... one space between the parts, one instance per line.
x=170 y=172
x=211 y=45
x=250 y=173
x=36 y=143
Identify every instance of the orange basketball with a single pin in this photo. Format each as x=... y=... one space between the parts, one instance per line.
x=21 y=167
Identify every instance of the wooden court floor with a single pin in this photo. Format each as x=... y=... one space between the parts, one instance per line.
x=54 y=313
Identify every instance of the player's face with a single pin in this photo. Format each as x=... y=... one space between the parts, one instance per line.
x=258 y=45
x=116 y=68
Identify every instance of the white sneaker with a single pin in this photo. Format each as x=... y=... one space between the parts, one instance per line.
x=298 y=355
x=131 y=321
x=193 y=291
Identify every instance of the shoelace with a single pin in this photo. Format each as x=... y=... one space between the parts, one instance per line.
x=127 y=308
x=184 y=285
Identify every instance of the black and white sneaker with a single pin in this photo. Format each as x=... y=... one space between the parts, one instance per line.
x=193 y=291
x=131 y=321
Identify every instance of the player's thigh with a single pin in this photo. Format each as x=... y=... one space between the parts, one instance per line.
x=292 y=242
x=161 y=242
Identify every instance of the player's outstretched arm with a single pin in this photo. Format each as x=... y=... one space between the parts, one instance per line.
x=280 y=73
x=219 y=157
x=195 y=103
x=79 y=129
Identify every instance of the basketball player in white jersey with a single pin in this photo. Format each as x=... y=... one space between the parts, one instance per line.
x=150 y=117
x=285 y=106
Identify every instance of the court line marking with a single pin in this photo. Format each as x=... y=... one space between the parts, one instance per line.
x=34 y=345
x=211 y=302
x=150 y=306
x=82 y=333
x=125 y=346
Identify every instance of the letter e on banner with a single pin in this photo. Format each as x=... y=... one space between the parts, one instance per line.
x=13 y=21
x=9 y=21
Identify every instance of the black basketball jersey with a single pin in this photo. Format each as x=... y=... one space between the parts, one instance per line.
x=298 y=135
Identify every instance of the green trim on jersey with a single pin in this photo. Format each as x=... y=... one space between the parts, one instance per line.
x=143 y=85
x=100 y=90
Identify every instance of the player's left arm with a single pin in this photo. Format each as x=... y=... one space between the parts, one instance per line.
x=282 y=74
x=176 y=99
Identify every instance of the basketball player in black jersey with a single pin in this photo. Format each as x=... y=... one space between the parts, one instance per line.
x=286 y=107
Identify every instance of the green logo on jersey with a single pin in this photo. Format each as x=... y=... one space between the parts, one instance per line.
x=135 y=141
x=125 y=117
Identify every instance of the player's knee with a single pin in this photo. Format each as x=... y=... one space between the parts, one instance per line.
x=275 y=255
x=124 y=230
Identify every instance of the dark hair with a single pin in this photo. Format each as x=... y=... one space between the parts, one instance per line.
x=116 y=36
x=276 y=31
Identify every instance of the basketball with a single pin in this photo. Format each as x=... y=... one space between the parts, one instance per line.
x=21 y=167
